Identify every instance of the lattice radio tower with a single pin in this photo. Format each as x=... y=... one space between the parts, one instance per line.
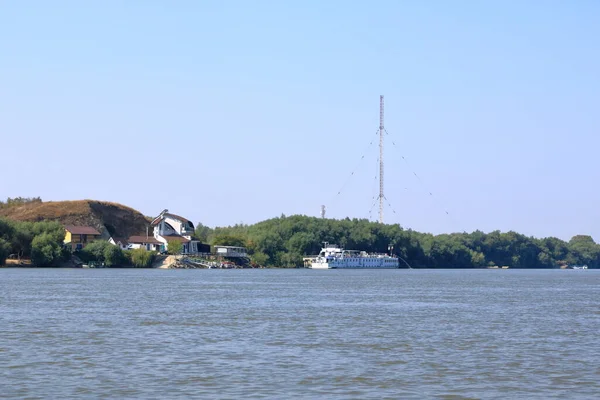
x=381 y=131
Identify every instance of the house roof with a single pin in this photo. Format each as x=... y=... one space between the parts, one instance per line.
x=143 y=239
x=176 y=238
x=157 y=219
x=178 y=217
x=81 y=230
x=120 y=239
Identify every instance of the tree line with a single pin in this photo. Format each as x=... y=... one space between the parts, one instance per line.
x=18 y=201
x=284 y=241
x=40 y=241
x=43 y=243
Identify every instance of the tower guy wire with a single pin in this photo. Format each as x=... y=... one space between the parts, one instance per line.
x=425 y=187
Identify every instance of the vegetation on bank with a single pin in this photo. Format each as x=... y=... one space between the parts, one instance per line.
x=42 y=242
x=34 y=229
x=112 y=256
x=285 y=240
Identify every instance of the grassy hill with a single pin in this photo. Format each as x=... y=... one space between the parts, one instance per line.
x=108 y=218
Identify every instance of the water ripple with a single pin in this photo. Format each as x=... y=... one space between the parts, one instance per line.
x=408 y=334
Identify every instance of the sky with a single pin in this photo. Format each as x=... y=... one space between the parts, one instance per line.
x=233 y=111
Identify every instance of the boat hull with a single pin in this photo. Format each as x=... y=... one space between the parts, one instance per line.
x=341 y=265
x=333 y=257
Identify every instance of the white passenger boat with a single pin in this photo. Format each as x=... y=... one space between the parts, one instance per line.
x=332 y=256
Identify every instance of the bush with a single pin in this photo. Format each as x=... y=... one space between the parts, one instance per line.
x=174 y=247
x=140 y=258
x=45 y=250
x=94 y=251
x=260 y=258
x=113 y=256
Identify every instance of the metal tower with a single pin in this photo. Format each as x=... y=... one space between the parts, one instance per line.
x=381 y=130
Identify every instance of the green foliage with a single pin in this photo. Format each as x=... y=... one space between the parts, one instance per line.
x=231 y=239
x=174 y=247
x=94 y=251
x=202 y=233
x=52 y=228
x=4 y=250
x=6 y=229
x=22 y=238
x=140 y=258
x=18 y=201
x=45 y=250
x=260 y=258
x=113 y=256
x=282 y=242
x=584 y=249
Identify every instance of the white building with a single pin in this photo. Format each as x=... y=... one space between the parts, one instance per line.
x=170 y=227
x=122 y=243
x=231 y=251
x=144 y=242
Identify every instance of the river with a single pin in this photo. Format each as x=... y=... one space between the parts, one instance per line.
x=354 y=334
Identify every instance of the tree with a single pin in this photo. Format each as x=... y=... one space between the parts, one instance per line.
x=140 y=258
x=45 y=250
x=21 y=241
x=202 y=232
x=477 y=259
x=17 y=201
x=260 y=258
x=6 y=229
x=585 y=250
x=224 y=239
x=113 y=256
x=4 y=250
x=53 y=228
x=95 y=251
x=174 y=247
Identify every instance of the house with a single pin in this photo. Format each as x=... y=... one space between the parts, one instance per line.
x=170 y=227
x=144 y=242
x=77 y=237
x=120 y=242
x=231 y=251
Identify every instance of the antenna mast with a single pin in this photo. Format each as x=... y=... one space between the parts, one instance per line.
x=381 y=129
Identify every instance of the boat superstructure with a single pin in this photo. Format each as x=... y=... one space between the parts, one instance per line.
x=332 y=256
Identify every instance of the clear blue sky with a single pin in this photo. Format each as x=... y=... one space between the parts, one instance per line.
x=239 y=111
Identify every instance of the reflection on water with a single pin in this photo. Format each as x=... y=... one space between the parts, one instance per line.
x=299 y=333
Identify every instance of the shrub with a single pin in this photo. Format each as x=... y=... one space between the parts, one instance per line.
x=260 y=258
x=94 y=251
x=45 y=250
x=174 y=247
x=140 y=258
x=113 y=256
